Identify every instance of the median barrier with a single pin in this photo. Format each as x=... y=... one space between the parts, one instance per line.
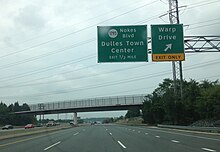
x=192 y=128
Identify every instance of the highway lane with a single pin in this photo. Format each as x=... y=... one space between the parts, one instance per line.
x=171 y=140
x=113 y=138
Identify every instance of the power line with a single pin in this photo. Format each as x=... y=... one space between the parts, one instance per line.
x=118 y=93
x=115 y=82
x=98 y=86
x=203 y=26
x=92 y=26
x=201 y=22
x=163 y=13
x=88 y=27
x=30 y=73
x=143 y=88
x=137 y=89
x=92 y=18
x=46 y=54
x=76 y=78
x=12 y=77
x=200 y=4
x=85 y=42
x=213 y=76
x=42 y=78
x=33 y=80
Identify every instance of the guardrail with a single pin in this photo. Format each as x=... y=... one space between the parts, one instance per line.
x=203 y=129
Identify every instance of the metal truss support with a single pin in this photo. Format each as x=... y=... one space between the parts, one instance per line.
x=176 y=65
x=194 y=44
x=199 y=44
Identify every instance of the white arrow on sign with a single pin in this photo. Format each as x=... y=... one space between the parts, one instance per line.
x=169 y=46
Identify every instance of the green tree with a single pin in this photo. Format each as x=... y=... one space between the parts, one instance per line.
x=7 y=116
x=200 y=101
x=209 y=103
x=3 y=113
x=133 y=112
x=147 y=113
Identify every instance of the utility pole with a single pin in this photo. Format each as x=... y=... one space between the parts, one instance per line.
x=176 y=65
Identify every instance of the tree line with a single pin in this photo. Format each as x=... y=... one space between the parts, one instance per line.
x=7 y=116
x=200 y=100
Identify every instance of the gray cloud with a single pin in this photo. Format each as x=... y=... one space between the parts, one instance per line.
x=30 y=18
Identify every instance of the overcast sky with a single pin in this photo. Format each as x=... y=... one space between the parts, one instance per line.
x=50 y=46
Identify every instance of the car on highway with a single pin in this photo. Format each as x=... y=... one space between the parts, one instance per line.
x=6 y=127
x=39 y=125
x=28 y=126
x=50 y=124
x=57 y=123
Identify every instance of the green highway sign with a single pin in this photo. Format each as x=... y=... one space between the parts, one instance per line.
x=122 y=43
x=167 y=42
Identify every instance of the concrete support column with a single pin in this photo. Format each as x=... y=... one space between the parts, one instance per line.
x=75 y=118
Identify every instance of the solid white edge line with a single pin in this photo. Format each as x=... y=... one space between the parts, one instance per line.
x=76 y=134
x=121 y=144
x=177 y=133
x=175 y=141
x=207 y=149
x=52 y=145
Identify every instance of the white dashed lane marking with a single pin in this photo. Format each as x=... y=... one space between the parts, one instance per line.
x=52 y=145
x=122 y=145
x=175 y=141
x=207 y=149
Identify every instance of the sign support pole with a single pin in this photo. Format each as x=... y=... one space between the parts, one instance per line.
x=176 y=65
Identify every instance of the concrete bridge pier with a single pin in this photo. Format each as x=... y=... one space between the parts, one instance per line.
x=75 y=118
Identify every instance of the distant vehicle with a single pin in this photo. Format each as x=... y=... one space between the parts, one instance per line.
x=50 y=124
x=57 y=124
x=73 y=124
x=93 y=123
x=39 y=125
x=28 y=126
x=6 y=127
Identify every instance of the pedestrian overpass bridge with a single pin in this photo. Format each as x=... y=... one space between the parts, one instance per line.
x=113 y=103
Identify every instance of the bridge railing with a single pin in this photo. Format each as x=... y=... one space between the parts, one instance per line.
x=94 y=102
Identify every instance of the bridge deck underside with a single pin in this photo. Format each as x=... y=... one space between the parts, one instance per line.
x=82 y=109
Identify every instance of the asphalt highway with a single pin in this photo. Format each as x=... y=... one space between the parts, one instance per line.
x=114 y=138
